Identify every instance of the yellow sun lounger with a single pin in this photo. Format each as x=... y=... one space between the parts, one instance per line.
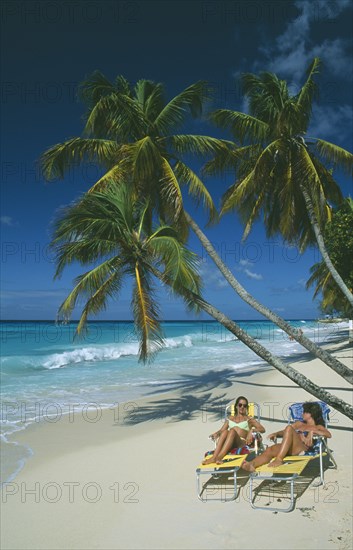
x=230 y=466
x=289 y=472
x=231 y=462
x=294 y=466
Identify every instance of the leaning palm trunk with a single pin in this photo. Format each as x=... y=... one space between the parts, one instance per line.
x=345 y=408
x=321 y=244
x=330 y=361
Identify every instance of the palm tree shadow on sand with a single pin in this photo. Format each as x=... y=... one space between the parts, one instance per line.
x=195 y=398
x=210 y=380
x=177 y=409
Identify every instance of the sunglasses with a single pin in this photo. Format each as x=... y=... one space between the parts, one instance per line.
x=242 y=405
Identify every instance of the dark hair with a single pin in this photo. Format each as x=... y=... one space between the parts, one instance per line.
x=239 y=398
x=316 y=412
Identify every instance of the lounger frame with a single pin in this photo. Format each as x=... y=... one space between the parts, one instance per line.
x=301 y=462
x=216 y=473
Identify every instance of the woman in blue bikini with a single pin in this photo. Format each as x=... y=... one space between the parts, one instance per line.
x=297 y=439
x=235 y=432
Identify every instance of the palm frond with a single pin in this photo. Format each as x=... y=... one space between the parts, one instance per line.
x=267 y=96
x=96 y=285
x=146 y=317
x=114 y=177
x=339 y=157
x=95 y=87
x=117 y=116
x=94 y=226
x=180 y=264
x=252 y=184
x=170 y=191
x=122 y=86
x=229 y=160
x=241 y=125
x=235 y=192
x=174 y=113
x=330 y=186
x=60 y=158
x=197 y=145
x=253 y=216
x=308 y=91
x=196 y=188
x=150 y=97
x=84 y=251
x=321 y=276
x=143 y=160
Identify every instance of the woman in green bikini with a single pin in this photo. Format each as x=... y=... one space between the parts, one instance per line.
x=235 y=432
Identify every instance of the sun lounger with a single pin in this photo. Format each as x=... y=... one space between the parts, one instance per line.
x=229 y=468
x=294 y=466
x=230 y=465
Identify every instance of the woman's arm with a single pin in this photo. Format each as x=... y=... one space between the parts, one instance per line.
x=217 y=434
x=319 y=430
x=274 y=435
x=255 y=424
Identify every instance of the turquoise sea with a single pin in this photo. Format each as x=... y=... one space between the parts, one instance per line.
x=46 y=373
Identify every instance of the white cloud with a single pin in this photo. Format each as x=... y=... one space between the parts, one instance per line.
x=252 y=275
x=299 y=286
x=243 y=266
x=245 y=262
x=334 y=56
x=212 y=275
x=334 y=123
x=292 y=51
x=7 y=220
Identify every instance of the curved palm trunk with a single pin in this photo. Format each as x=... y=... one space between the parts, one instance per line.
x=330 y=361
x=321 y=244
x=261 y=351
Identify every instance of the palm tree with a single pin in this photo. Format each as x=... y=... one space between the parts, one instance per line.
x=339 y=237
x=128 y=131
x=281 y=173
x=109 y=229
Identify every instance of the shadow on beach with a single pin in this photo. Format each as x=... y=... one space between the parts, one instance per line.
x=196 y=400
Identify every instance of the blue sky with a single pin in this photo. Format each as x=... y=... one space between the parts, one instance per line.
x=49 y=47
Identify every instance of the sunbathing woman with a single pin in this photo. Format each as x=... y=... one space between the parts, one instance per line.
x=235 y=432
x=297 y=439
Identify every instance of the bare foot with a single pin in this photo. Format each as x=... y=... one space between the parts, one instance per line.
x=248 y=467
x=276 y=462
x=219 y=461
x=208 y=461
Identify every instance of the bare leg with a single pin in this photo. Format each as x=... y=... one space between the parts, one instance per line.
x=291 y=444
x=233 y=440
x=264 y=458
x=227 y=441
x=219 y=446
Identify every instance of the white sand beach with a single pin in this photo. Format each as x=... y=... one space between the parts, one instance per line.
x=127 y=479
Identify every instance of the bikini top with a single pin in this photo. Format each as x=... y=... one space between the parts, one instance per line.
x=244 y=425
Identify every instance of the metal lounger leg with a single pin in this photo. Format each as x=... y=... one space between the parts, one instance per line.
x=290 y=479
x=200 y=488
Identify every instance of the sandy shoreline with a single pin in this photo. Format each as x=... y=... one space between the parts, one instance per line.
x=126 y=479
